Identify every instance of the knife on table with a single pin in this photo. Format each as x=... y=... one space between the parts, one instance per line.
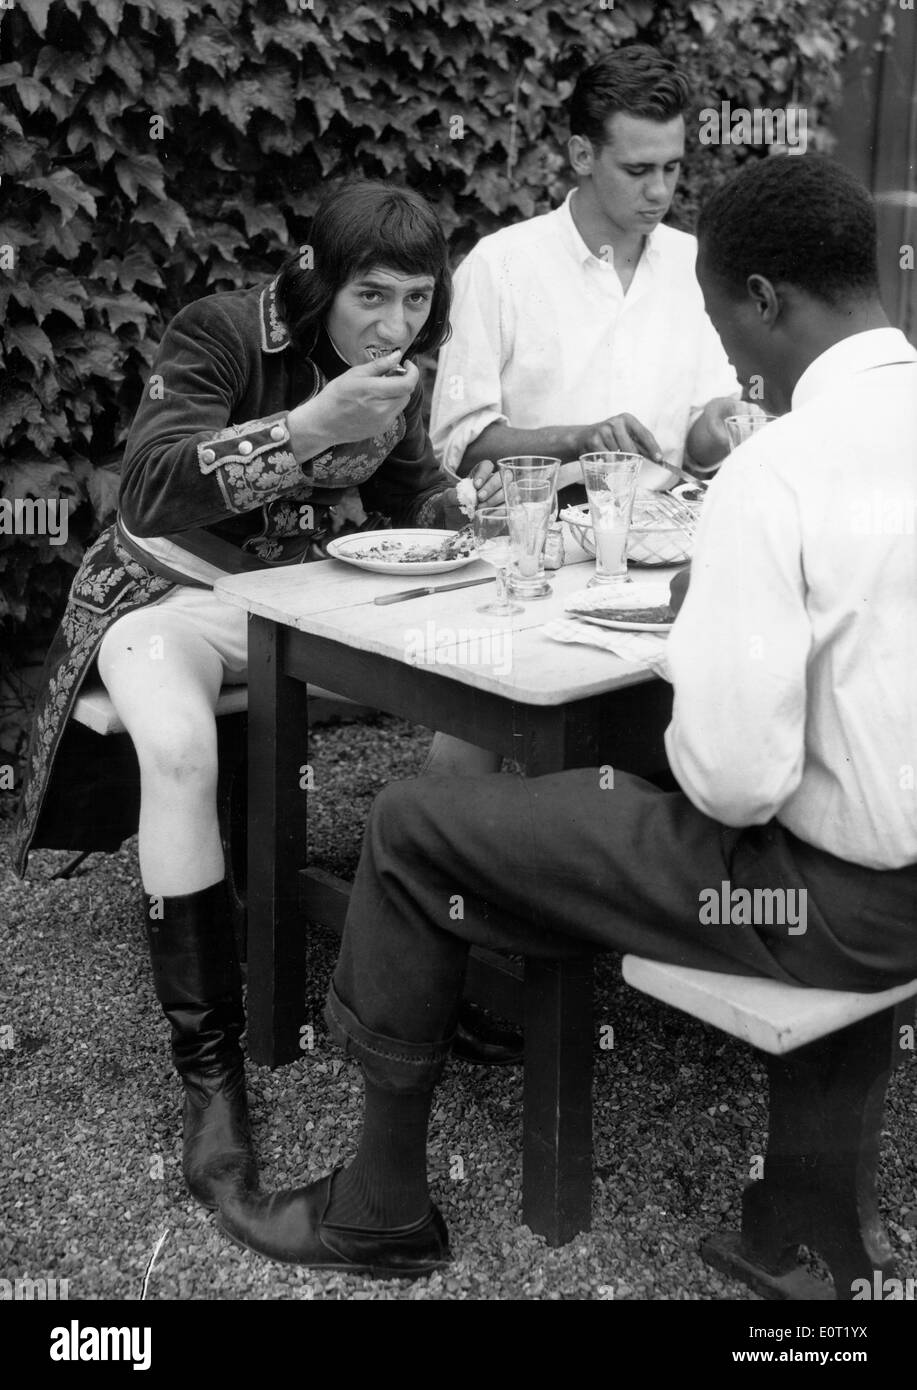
x=682 y=474
x=432 y=589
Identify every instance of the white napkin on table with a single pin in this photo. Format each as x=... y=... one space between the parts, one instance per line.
x=644 y=648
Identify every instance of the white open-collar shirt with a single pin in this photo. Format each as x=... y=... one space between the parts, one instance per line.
x=543 y=334
x=794 y=657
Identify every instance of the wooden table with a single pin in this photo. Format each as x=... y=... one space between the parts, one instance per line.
x=548 y=705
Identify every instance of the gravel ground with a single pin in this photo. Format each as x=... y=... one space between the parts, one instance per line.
x=91 y=1180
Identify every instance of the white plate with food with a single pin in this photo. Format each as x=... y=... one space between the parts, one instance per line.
x=419 y=550
x=637 y=610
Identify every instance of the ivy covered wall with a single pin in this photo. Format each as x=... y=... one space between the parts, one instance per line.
x=155 y=150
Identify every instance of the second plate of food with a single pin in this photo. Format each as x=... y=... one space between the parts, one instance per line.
x=638 y=610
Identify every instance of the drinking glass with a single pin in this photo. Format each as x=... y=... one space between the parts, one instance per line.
x=742 y=427
x=492 y=544
x=611 y=486
x=530 y=493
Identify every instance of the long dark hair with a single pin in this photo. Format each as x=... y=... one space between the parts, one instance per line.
x=361 y=224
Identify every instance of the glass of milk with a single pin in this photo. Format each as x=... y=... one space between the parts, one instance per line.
x=611 y=486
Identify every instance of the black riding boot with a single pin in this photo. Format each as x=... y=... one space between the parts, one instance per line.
x=199 y=985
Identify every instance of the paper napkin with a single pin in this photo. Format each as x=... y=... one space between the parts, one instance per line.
x=643 y=648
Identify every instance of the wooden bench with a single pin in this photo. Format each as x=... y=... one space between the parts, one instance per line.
x=116 y=765
x=829 y=1058
x=94 y=710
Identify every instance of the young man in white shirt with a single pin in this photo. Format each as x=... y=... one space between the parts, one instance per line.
x=585 y=328
x=793 y=736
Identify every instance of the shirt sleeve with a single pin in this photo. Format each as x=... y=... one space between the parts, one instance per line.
x=468 y=395
x=185 y=464
x=739 y=649
x=409 y=485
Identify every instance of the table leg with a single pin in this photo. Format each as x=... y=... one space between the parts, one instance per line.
x=278 y=742
x=557 y=1103
x=557 y=1096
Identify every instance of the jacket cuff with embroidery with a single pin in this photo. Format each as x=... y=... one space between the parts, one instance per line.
x=253 y=462
x=436 y=512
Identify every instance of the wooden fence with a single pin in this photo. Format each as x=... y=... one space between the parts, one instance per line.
x=876 y=129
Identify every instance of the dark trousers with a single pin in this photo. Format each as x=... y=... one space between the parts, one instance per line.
x=554 y=866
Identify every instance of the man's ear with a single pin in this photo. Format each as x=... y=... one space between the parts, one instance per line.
x=764 y=297
x=579 y=148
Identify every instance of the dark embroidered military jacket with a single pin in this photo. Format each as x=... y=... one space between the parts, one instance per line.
x=209 y=455
x=210 y=447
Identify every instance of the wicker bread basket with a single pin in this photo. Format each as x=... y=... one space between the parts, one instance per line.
x=661 y=533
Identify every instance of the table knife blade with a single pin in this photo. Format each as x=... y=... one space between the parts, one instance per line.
x=404 y=594
x=683 y=474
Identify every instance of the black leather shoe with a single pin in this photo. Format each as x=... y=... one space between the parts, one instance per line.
x=291 y=1227
x=479 y=1038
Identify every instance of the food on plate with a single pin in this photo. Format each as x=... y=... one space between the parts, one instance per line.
x=422 y=552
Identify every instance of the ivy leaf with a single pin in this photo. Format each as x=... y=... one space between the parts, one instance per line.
x=213 y=46
x=32 y=342
x=228 y=240
x=235 y=101
x=86 y=354
x=11 y=606
x=137 y=265
x=297 y=33
x=34 y=477
x=168 y=217
x=328 y=102
x=140 y=171
x=63 y=71
x=103 y=105
x=175 y=11
x=50 y=292
x=36 y=11
x=104 y=485
x=47 y=431
x=110 y=12
x=66 y=191
x=67 y=241
x=261 y=218
x=101 y=485
x=31 y=93
x=639 y=14
x=82 y=134
x=146 y=350
x=17 y=155
x=705 y=14
x=120 y=58
x=273 y=91
x=17 y=404
x=123 y=308
x=16 y=234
